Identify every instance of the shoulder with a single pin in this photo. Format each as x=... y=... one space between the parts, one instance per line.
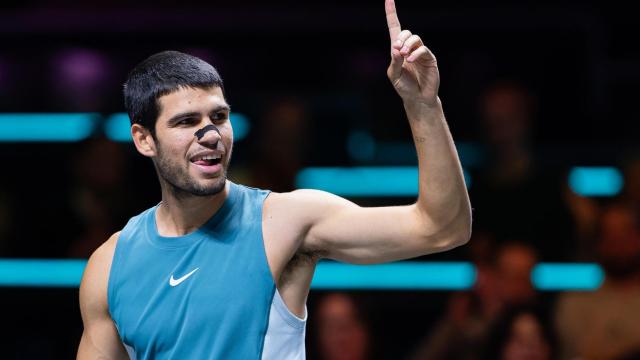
x=306 y=202
x=93 y=288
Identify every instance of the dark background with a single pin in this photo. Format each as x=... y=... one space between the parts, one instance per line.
x=580 y=59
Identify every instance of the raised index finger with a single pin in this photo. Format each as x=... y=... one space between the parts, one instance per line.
x=392 y=19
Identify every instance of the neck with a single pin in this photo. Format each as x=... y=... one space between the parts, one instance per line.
x=183 y=214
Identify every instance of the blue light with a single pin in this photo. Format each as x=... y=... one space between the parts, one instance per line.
x=41 y=273
x=361 y=146
x=364 y=181
x=361 y=181
x=241 y=126
x=118 y=127
x=398 y=276
x=404 y=275
x=44 y=127
x=595 y=181
x=566 y=276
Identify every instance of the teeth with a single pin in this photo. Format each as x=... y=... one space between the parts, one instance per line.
x=208 y=157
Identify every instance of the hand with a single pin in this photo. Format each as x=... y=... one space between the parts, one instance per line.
x=413 y=70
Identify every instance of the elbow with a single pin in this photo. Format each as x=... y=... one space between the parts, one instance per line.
x=454 y=233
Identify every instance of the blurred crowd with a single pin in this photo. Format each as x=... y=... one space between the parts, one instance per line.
x=524 y=213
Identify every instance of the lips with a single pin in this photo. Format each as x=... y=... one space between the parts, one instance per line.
x=208 y=162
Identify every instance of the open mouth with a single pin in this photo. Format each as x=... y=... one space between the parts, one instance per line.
x=207 y=160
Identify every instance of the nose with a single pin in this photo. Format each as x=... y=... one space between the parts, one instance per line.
x=208 y=135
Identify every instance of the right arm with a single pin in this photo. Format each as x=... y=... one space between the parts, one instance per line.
x=100 y=339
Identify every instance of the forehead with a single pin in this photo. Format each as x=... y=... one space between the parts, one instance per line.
x=191 y=100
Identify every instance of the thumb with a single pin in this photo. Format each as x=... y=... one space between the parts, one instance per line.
x=395 y=68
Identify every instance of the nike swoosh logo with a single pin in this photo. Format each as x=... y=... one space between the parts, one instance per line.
x=176 y=282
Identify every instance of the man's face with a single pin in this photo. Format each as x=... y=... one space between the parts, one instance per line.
x=186 y=163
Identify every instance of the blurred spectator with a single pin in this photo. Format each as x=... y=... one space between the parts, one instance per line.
x=631 y=191
x=100 y=199
x=605 y=324
x=513 y=196
x=342 y=330
x=281 y=141
x=522 y=333
x=465 y=327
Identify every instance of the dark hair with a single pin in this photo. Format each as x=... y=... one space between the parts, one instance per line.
x=161 y=74
x=500 y=331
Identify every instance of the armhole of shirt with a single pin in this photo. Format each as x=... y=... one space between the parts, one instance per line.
x=112 y=282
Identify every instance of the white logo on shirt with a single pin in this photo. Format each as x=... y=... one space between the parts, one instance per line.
x=176 y=282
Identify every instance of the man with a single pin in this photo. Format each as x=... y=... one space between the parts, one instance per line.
x=222 y=271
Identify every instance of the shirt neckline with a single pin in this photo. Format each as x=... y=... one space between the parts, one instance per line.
x=189 y=239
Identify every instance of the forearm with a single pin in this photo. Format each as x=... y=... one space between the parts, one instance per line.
x=442 y=192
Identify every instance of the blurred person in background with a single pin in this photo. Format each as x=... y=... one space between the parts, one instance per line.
x=100 y=198
x=342 y=330
x=281 y=146
x=503 y=284
x=513 y=196
x=605 y=324
x=522 y=333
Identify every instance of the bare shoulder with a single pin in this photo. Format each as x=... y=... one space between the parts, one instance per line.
x=93 y=288
x=306 y=204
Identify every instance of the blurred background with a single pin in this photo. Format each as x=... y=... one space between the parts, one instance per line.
x=541 y=99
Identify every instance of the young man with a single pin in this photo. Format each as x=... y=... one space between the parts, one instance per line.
x=222 y=271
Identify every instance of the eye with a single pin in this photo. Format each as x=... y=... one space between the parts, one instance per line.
x=220 y=116
x=186 y=121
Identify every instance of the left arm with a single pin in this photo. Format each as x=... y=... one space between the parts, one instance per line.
x=441 y=217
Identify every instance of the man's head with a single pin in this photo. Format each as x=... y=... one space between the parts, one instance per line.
x=161 y=74
x=180 y=119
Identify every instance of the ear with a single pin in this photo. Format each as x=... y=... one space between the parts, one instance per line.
x=144 y=141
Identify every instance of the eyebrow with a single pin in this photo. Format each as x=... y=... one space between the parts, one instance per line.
x=180 y=116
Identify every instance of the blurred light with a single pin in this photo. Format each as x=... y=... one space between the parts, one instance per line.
x=241 y=126
x=363 y=181
x=46 y=127
x=595 y=181
x=567 y=276
x=361 y=146
x=399 y=275
x=404 y=275
x=118 y=127
x=41 y=273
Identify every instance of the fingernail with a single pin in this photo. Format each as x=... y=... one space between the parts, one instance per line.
x=404 y=49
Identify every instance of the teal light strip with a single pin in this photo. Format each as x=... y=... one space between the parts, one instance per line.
x=118 y=127
x=363 y=181
x=44 y=127
x=405 y=275
x=596 y=181
x=567 y=276
x=41 y=273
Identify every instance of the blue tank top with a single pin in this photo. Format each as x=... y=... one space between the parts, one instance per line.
x=206 y=295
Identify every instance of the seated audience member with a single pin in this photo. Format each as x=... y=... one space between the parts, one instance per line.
x=463 y=330
x=521 y=333
x=341 y=329
x=605 y=324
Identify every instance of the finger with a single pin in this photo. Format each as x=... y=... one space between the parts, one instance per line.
x=392 y=19
x=395 y=68
x=422 y=54
x=402 y=37
x=411 y=44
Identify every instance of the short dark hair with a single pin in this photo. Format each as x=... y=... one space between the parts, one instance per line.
x=161 y=74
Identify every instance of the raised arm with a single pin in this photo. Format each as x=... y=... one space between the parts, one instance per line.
x=441 y=217
x=100 y=338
